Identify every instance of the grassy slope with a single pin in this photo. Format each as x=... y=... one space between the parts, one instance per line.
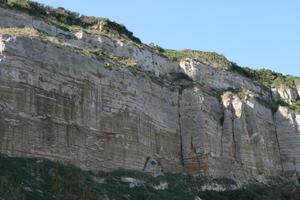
x=38 y=179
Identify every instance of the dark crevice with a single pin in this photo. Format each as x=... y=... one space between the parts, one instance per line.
x=222 y=119
x=233 y=132
x=234 y=139
x=179 y=124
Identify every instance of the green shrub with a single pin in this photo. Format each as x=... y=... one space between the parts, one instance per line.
x=9 y=191
x=267 y=77
x=286 y=81
x=39 y=179
x=293 y=106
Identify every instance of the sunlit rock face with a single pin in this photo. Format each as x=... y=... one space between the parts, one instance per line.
x=62 y=105
x=288 y=131
x=231 y=137
x=117 y=109
x=287 y=94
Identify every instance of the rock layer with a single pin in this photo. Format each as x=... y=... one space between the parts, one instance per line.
x=62 y=105
x=288 y=132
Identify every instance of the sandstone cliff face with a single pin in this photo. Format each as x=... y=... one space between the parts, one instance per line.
x=288 y=132
x=217 y=78
x=63 y=105
x=103 y=102
x=233 y=137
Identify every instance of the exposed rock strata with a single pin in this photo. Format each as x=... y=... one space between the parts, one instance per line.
x=62 y=105
x=98 y=112
x=288 y=132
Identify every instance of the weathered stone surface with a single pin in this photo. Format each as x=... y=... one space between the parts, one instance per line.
x=235 y=139
x=143 y=57
x=216 y=78
x=200 y=116
x=98 y=112
x=288 y=132
x=62 y=105
x=287 y=94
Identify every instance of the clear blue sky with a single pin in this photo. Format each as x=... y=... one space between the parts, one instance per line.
x=255 y=33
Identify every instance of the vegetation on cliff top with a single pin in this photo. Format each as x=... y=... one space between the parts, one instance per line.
x=263 y=77
x=202 y=56
x=271 y=79
x=44 y=180
x=69 y=20
x=267 y=77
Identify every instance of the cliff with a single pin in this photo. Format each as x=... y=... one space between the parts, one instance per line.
x=96 y=97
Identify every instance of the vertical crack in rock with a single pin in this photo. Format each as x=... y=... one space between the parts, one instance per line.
x=233 y=117
x=233 y=135
x=222 y=119
x=228 y=138
x=179 y=123
x=222 y=138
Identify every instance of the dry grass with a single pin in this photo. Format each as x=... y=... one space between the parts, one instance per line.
x=126 y=61
x=15 y=31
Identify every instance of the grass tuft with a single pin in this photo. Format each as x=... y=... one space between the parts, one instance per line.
x=19 y=31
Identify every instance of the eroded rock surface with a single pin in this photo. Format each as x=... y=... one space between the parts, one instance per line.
x=102 y=102
x=288 y=132
x=63 y=105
